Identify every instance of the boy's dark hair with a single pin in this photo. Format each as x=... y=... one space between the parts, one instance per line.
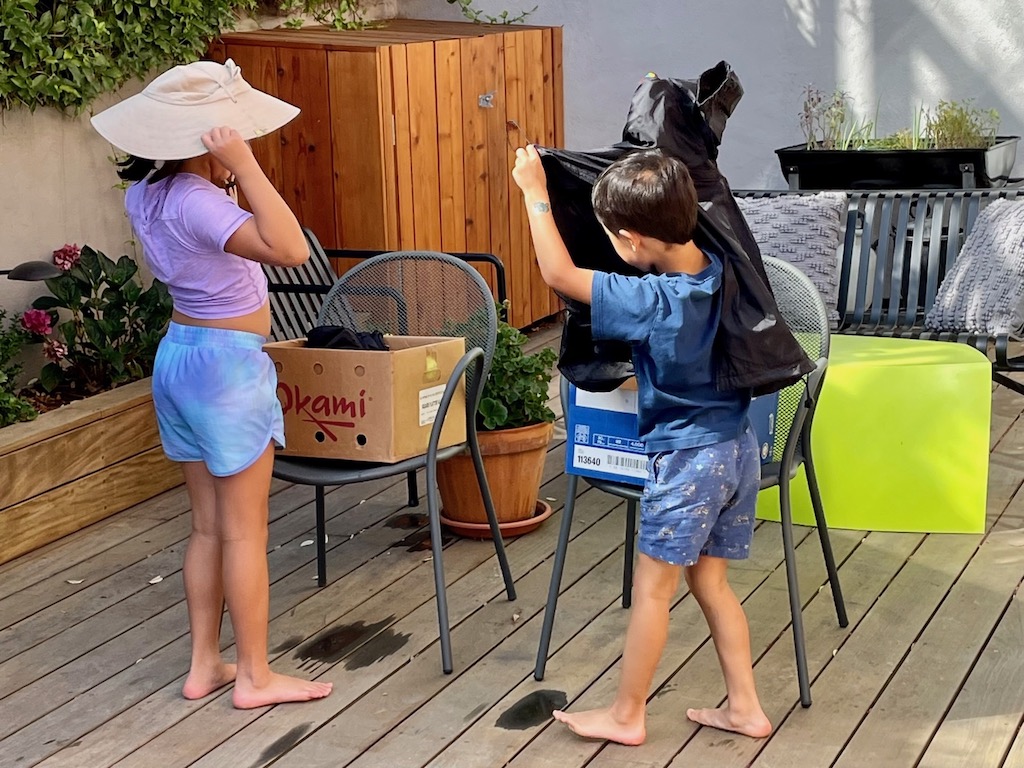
x=133 y=168
x=650 y=193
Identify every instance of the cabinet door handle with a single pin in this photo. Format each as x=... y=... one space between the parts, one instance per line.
x=486 y=100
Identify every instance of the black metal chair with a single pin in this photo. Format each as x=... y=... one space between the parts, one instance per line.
x=802 y=308
x=419 y=294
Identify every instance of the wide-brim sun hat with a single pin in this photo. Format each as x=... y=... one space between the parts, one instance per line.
x=167 y=120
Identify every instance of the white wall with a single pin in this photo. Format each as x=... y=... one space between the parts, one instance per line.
x=57 y=186
x=889 y=54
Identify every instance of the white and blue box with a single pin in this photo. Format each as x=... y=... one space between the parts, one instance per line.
x=603 y=441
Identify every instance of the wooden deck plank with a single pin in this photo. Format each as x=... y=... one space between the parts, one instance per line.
x=318 y=610
x=865 y=575
x=362 y=720
x=473 y=580
x=980 y=727
x=158 y=552
x=574 y=667
x=863 y=664
x=67 y=691
x=901 y=722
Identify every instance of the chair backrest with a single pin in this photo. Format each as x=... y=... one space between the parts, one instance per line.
x=803 y=310
x=297 y=293
x=417 y=293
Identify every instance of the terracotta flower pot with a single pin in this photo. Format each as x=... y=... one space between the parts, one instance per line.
x=514 y=463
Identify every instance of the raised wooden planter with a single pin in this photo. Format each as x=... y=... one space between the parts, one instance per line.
x=79 y=464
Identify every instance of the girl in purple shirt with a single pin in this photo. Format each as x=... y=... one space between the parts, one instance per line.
x=214 y=388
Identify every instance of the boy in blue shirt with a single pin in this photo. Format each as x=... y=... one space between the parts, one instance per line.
x=697 y=509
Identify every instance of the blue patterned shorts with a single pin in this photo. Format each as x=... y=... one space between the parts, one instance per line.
x=215 y=394
x=701 y=501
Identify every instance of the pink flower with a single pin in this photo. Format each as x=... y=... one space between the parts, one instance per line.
x=55 y=350
x=65 y=258
x=37 y=321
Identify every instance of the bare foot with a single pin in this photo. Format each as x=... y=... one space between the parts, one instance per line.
x=278 y=690
x=755 y=725
x=200 y=683
x=600 y=724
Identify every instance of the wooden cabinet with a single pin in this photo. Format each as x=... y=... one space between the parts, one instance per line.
x=406 y=135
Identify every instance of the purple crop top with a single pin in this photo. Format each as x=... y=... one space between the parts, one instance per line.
x=183 y=222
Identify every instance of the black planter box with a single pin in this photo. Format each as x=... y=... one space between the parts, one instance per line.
x=898 y=168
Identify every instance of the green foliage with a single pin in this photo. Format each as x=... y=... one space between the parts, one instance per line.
x=827 y=123
x=471 y=13
x=64 y=54
x=114 y=326
x=516 y=392
x=957 y=124
x=340 y=14
x=13 y=408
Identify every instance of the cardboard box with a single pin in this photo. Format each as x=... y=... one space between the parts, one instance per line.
x=367 y=405
x=603 y=440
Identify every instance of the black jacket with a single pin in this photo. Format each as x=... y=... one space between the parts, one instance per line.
x=754 y=349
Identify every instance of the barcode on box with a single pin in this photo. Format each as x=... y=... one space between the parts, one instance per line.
x=610 y=462
x=627 y=462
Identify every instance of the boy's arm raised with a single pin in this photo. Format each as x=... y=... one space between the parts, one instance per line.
x=556 y=266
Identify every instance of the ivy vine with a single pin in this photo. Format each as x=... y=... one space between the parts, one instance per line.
x=66 y=53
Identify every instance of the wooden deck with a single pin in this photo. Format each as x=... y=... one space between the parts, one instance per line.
x=930 y=672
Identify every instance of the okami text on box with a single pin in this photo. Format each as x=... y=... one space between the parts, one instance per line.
x=368 y=405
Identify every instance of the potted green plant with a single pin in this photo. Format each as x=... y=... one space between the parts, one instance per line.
x=956 y=145
x=514 y=427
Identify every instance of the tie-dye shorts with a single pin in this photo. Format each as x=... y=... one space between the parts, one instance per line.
x=701 y=501
x=215 y=395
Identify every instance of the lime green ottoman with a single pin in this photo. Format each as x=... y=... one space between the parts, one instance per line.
x=900 y=438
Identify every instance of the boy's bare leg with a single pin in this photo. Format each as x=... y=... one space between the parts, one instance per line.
x=654 y=586
x=204 y=590
x=242 y=507
x=742 y=712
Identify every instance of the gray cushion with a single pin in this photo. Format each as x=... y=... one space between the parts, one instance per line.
x=804 y=230
x=982 y=292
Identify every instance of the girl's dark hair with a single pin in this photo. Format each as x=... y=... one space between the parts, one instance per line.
x=650 y=193
x=134 y=168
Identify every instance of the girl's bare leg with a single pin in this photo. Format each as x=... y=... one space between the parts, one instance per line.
x=242 y=511
x=654 y=586
x=742 y=712
x=204 y=590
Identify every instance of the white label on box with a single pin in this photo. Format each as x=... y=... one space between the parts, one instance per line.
x=615 y=462
x=430 y=403
x=618 y=400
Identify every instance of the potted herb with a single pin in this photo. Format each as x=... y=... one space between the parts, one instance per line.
x=956 y=145
x=514 y=427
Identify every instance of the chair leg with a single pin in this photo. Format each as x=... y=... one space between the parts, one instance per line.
x=414 y=494
x=826 y=542
x=440 y=591
x=786 y=513
x=321 y=535
x=627 y=565
x=1001 y=378
x=492 y=520
x=556 y=578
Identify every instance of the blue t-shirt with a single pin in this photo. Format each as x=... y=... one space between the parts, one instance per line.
x=670 y=320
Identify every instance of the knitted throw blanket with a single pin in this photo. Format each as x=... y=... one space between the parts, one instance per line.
x=983 y=291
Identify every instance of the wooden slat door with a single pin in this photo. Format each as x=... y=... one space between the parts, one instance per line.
x=307 y=176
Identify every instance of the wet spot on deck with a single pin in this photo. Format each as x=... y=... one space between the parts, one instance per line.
x=420 y=541
x=377 y=649
x=283 y=744
x=332 y=645
x=407 y=521
x=288 y=644
x=533 y=709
